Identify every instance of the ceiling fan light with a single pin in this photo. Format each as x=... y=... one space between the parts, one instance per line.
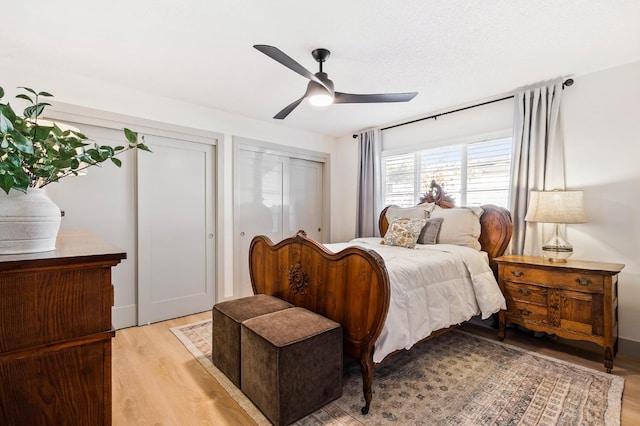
x=321 y=99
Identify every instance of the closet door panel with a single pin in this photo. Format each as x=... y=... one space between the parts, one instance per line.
x=259 y=205
x=175 y=229
x=305 y=198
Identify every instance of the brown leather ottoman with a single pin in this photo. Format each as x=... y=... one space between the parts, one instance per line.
x=291 y=363
x=225 y=329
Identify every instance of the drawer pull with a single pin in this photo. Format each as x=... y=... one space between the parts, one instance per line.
x=517 y=273
x=524 y=292
x=584 y=281
x=525 y=312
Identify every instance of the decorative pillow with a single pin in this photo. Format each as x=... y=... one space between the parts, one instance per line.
x=419 y=212
x=461 y=226
x=429 y=233
x=403 y=232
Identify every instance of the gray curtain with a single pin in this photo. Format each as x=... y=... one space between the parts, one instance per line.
x=538 y=158
x=369 y=183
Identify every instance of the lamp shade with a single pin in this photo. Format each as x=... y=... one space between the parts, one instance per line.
x=556 y=207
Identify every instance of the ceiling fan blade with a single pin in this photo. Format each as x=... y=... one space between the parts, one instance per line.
x=279 y=56
x=351 y=98
x=287 y=110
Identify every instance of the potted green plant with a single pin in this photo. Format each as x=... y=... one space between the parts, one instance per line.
x=34 y=153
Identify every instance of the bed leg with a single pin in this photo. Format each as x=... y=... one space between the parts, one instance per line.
x=502 y=326
x=366 y=366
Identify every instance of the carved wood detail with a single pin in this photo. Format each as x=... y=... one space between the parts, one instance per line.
x=435 y=194
x=298 y=279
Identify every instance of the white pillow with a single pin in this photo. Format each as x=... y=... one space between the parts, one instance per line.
x=461 y=226
x=419 y=212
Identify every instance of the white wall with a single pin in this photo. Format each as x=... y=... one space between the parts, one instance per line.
x=492 y=120
x=76 y=95
x=344 y=190
x=82 y=91
x=601 y=118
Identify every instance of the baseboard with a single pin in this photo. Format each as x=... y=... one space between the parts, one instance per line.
x=124 y=316
x=628 y=348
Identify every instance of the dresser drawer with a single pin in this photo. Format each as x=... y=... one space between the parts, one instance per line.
x=593 y=283
x=46 y=306
x=528 y=312
x=526 y=293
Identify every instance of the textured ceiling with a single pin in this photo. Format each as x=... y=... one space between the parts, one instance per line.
x=450 y=51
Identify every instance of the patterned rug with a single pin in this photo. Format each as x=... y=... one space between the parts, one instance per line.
x=454 y=379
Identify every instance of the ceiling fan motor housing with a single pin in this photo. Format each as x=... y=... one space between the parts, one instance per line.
x=326 y=80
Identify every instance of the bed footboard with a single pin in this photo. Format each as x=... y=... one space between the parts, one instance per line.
x=350 y=287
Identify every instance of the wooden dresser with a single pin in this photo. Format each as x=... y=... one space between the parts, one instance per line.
x=55 y=333
x=574 y=300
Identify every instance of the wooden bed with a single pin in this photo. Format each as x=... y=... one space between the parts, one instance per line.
x=352 y=286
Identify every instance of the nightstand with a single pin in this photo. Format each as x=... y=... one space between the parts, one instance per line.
x=575 y=300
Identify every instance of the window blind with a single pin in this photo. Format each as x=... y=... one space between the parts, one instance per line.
x=473 y=174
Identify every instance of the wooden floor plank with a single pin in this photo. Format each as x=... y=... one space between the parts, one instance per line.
x=156 y=381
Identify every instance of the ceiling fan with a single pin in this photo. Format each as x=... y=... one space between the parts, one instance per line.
x=320 y=90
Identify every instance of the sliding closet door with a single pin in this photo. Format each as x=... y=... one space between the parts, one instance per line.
x=175 y=229
x=260 y=201
x=275 y=195
x=305 y=198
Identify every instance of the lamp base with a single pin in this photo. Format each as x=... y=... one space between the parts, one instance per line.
x=557 y=249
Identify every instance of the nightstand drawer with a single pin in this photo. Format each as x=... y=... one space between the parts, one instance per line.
x=593 y=283
x=517 y=310
x=526 y=293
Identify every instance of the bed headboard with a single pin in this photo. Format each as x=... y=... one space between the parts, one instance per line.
x=496 y=228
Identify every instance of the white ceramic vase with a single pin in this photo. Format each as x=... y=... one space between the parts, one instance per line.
x=29 y=223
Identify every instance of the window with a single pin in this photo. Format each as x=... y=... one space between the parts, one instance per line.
x=473 y=174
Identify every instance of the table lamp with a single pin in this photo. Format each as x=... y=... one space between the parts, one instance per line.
x=556 y=207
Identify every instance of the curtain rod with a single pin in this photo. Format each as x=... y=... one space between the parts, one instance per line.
x=566 y=83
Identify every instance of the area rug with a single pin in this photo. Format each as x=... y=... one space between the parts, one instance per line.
x=455 y=379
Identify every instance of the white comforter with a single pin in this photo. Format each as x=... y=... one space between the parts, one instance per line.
x=432 y=287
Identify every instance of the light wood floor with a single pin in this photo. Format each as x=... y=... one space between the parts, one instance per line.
x=156 y=381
